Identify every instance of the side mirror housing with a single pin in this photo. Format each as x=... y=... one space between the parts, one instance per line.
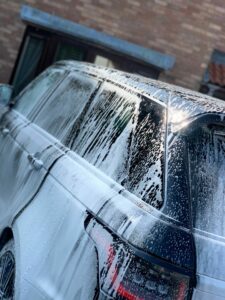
x=5 y=94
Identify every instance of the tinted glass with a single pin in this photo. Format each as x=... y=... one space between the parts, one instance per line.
x=32 y=95
x=123 y=135
x=28 y=63
x=60 y=111
x=68 y=51
x=207 y=180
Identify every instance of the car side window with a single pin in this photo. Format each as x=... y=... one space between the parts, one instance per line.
x=207 y=181
x=63 y=107
x=117 y=131
x=27 y=100
x=123 y=135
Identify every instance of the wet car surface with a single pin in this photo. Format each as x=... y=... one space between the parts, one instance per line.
x=112 y=187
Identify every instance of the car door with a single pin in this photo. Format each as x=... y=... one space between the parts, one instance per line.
x=59 y=218
x=23 y=148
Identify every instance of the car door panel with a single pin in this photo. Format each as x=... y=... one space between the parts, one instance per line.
x=19 y=180
x=40 y=145
x=87 y=184
x=24 y=161
x=65 y=256
x=29 y=157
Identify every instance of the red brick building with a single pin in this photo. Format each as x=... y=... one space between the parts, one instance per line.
x=190 y=32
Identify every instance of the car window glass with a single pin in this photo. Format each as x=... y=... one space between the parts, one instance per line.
x=123 y=135
x=207 y=180
x=33 y=93
x=60 y=111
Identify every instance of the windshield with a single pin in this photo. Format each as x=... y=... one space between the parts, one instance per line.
x=206 y=148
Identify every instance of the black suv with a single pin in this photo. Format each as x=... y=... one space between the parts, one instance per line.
x=112 y=186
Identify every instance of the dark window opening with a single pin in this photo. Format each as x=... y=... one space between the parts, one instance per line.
x=28 y=64
x=213 y=83
x=68 y=51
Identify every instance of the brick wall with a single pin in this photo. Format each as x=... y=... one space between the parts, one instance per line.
x=188 y=29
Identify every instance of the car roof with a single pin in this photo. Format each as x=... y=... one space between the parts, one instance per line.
x=183 y=105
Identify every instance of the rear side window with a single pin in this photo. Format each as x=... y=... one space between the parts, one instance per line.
x=123 y=135
x=37 y=89
x=207 y=180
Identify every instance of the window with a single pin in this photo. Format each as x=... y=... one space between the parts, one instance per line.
x=103 y=61
x=68 y=51
x=41 y=48
x=123 y=135
x=59 y=113
x=213 y=82
x=207 y=180
x=32 y=95
x=119 y=132
x=28 y=64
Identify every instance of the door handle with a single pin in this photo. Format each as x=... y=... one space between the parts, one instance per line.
x=5 y=131
x=34 y=161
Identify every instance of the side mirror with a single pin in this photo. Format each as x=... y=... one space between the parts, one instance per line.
x=5 y=94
